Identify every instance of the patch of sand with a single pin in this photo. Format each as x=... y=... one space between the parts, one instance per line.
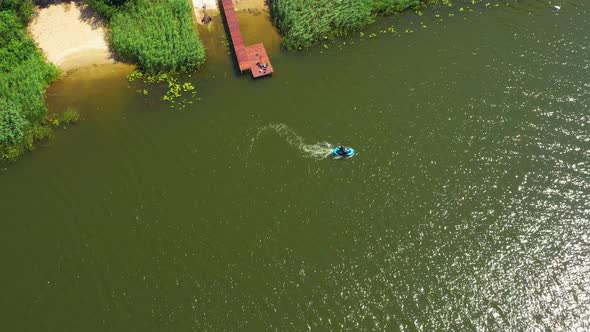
x=71 y=36
x=211 y=6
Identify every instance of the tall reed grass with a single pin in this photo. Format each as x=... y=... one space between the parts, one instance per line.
x=159 y=36
x=305 y=22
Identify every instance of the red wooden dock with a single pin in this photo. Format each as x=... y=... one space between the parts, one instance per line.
x=253 y=57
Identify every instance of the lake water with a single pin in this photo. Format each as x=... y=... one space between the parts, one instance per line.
x=465 y=209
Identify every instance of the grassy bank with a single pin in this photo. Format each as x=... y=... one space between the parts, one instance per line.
x=157 y=35
x=305 y=22
x=24 y=76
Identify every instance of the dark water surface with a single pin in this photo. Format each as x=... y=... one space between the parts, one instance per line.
x=466 y=209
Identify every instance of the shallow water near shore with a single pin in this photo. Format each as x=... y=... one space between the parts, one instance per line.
x=466 y=207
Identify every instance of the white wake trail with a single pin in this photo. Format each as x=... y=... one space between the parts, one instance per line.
x=320 y=150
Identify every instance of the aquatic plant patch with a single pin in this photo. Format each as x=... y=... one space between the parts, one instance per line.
x=177 y=94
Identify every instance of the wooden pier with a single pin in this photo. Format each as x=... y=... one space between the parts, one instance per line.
x=254 y=57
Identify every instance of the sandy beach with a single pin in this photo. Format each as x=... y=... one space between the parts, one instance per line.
x=71 y=36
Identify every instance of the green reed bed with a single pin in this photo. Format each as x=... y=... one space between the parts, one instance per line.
x=159 y=36
x=305 y=22
x=108 y=8
x=24 y=76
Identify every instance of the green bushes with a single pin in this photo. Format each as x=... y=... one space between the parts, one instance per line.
x=23 y=9
x=158 y=35
x=14 y=44
x=25 y=85
x=304 y=22
x=24 y=76
x=12 y=123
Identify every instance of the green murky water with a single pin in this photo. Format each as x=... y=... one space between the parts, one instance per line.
x=466 y=207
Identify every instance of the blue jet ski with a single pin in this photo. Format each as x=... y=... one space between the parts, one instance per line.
x=343 y=152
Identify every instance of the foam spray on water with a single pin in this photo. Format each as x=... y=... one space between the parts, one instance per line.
x=320 y=150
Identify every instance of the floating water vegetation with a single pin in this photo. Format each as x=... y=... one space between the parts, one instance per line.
x=65 y=119
x=136 y=74
x=174 y=88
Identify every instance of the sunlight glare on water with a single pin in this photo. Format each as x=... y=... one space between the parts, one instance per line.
x=467 y=210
